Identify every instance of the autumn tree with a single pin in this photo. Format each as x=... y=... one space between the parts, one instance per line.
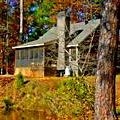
x=9 y=33
x=106 y=68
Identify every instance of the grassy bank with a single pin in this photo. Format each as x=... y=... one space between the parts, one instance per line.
x=62 y=97
x=55 y=95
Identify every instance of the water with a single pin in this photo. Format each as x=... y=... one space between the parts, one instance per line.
x=25 y=115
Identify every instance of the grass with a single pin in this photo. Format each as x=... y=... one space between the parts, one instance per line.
x=32 y=95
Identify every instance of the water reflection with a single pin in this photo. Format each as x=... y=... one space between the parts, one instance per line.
x=25 y=115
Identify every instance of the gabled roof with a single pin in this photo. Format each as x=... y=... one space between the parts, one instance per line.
x=50 y=36
x=76 y=27
x=47 y=37
x=88 y=29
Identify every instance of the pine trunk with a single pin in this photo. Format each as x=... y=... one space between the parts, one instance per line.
x=105 y=81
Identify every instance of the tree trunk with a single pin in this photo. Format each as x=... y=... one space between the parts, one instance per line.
x=21 y=21
x=105 y=81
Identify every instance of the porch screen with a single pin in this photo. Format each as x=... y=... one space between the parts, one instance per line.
x=30 y=56
x=21 y=57
x=40 y=55
x=35 y=56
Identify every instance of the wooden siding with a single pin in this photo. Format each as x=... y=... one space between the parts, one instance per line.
x=31 y=71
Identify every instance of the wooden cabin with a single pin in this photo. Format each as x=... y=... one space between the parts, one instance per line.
x=35 y=59
x=56 y=49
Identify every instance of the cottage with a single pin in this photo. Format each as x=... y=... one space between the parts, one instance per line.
x=61 y=46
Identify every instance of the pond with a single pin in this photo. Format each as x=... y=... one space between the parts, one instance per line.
x=25 y=115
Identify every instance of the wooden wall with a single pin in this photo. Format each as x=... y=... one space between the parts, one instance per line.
x=31 y=71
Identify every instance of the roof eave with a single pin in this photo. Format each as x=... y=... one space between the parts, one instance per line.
x=72 y=45
x=27 y=46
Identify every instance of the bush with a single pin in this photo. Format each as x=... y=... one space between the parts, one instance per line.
x=8 y=103
x=118 y=111
x=73 y=97
x=19 y=80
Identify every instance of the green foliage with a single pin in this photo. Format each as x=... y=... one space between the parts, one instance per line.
x=42 y=17
x=31 y=96
x=70 y=97
x=100 y=1
x=73 y=97
x=7 y=103
x=42 y=14
x=118 y=111
x=19 y=80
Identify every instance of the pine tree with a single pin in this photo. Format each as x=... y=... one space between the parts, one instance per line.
x=105 y=82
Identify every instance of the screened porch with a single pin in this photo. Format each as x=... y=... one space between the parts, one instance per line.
x=29 y=57
x=30 y=61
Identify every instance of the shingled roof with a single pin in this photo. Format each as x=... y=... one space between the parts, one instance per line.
x=88 y=29
x=52 y=35
x=47 y=37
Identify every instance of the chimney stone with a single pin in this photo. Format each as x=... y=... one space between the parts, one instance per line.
x=63 y=28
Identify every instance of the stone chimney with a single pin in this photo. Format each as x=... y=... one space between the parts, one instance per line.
x=63 y=28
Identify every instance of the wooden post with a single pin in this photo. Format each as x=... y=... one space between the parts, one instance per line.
x=76 y=62
x=44 y=61
x=16 y=52
x=70 y=55
x=77 y=54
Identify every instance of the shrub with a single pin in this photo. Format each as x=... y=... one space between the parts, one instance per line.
x=118 y=111
x=19 y=80
x=8 y=103
x=73 y=97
